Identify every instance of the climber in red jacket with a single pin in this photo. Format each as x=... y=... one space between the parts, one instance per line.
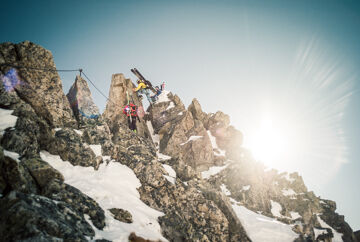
x=130 y=111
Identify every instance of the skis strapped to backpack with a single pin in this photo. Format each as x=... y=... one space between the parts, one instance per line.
x=142 y=78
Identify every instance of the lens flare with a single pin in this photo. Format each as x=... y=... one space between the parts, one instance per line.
x=302 y=127
x=10 y=80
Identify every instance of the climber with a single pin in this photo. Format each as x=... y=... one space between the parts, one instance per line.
x=130 y=111
x=156 y=96
x=142 y=88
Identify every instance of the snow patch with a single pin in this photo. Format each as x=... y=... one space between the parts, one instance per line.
x=79 y=132
x=12 y=155
x=169 y=170
x=163 y=97
x=261 y=228
x=172 y=174
x=112 y=186
x=7 y=119
x=287 y=177
x=295 y=215
x=245 y=188
x=162 y=157
x=214 y=145
x=181 y=113
x=57 y=129
x=171 y=105
x=213 y=171
x=225 y=190
x=192 y=138
x=276 y=209
x=155 y=137
x=96 y=149
x=288 y=192
x=337 y=235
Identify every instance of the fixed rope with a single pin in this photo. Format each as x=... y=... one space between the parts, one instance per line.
x=58 y=70
x=38 y=68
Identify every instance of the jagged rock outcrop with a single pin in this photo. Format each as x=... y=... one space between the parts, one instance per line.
x=189 y=216
x=85 y=110
x=181 y=136
x=36 y=203
x=42 y=89
x=113 y=113
x=35 y=218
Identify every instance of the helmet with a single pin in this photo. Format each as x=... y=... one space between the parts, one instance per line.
x=138 y=81
x=157 y=87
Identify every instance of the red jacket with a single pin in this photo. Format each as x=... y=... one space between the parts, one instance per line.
x=130 y=109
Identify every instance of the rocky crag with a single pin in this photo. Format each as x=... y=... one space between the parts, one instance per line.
x=189 y=166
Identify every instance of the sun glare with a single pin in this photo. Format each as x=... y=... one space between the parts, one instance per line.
x=274 y=142
x=301 y=127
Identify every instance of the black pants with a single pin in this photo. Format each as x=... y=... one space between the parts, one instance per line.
x=132 y=123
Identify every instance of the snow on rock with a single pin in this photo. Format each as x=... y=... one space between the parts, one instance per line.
x=287 y=177
x=7 y=120
x=112 y=186
x=79 y=132
x=163 y=97
x=337 y=235
x=212 y=171
x=295 y=215
x=261 y=228
x=181 y=113
x=214 y=145
x=96 y=149
x=155 y=137
x=288 y=192
x=162 y=157
x=225 y=190
x=192 y=138
x=12 y=155
x=171 y=105
x=245 y=188
x=172 y=174
x=57 y=129
x=276 y=209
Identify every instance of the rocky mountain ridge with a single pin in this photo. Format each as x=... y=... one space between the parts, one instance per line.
x=190 y=166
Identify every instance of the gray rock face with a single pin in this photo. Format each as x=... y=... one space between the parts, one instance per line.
x=59 y=191
x=69 y=146
x=41 y=89
x=113 y=113
x=85 y=110
x=30 y=132
x=41 y=171
x=15 y=176
x=36 y=218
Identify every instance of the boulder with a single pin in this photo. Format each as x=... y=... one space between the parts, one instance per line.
x=122 y=215
x=69 y=146
x=30 y=134
x=35 y=218
x=41 y=171
x=16 y=176
x=78 y=201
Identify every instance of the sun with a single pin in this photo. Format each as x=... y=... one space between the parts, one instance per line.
x=274 y=142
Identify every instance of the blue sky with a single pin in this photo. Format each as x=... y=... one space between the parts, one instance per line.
x=292 y=64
